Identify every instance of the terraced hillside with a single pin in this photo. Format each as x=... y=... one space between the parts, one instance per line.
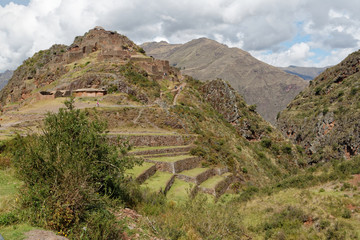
x=153 y=105
x=324 y=118
x=173 y=171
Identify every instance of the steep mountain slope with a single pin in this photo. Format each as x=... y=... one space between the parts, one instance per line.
x=149 y=103
x=307 y=73
x=266 y=86
x=4 y=78
x=324 y=118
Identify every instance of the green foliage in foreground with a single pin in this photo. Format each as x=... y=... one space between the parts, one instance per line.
x=69 y=171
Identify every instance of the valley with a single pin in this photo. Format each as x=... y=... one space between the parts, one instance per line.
x=179 y=158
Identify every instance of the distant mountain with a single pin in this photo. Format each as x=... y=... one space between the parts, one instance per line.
x=307 y=73
x=270 y=88
x=4 y=78
x=324 y=118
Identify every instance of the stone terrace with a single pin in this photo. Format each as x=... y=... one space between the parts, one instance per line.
x=168 y=163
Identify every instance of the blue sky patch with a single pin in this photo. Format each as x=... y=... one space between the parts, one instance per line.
x=22 y=2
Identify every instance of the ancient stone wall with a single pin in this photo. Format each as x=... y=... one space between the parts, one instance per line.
x=185 y=164
x=40 y=96
x=205 y=175
x=88 y=94
x=222 y=186
x=156 y=140
x=163 y=150
x=146 y=174
x=162 y=166
x=169 y=184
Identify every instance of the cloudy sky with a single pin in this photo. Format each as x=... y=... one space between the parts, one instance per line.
x=279 y=32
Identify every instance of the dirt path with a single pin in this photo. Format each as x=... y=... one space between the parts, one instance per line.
x=178 y=90
x=43 y=235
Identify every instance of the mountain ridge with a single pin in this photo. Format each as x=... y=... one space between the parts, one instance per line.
x=307 y=73
x=264 y=85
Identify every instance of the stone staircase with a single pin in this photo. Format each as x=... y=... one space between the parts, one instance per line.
x=169 y=168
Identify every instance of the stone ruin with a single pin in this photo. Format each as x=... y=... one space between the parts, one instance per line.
x=89 y=92
x=110 y=44
x=85 y=92
x=44 y=95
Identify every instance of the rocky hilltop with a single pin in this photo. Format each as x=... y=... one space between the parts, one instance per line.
x=174 y=122
x=324 y=118
x=266 y=86
x=56 y=69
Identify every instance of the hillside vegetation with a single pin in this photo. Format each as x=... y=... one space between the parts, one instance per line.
x=324 y=117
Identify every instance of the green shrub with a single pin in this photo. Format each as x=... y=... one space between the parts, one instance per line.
x=346 y=213
x=287 y=220
x=69 y=169
x=7 y=218
x=286 y=149
x=324 y=224
x=252 y=107
x=353 y=91
x=141 y=50
x=266 y=143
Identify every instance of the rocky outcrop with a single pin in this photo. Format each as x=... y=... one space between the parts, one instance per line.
x=324 y=117
x=231 y=105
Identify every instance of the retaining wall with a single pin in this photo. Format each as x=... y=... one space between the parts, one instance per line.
x=155 y=140
x=160 y=151
x=146 y=174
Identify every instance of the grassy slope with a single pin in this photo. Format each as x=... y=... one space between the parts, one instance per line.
x=9 y=187
x=179 y=191
x=137 y=170
x=158 y=181
x=171 y=159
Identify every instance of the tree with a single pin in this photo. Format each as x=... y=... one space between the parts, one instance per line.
x=69 y=168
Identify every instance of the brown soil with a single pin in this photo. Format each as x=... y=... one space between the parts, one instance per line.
x=355 y=180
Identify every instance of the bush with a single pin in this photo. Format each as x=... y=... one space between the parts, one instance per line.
x=141 y=50
x=252 y=108
x=69 y=169
x=287 y=149
x=266 y=143
x=7 y=219
x=346 y=213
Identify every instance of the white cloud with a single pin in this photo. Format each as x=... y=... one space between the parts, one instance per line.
x=298 y=54
x=258 y=26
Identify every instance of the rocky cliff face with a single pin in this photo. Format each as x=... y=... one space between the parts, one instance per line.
x=232 y=106
x=324 y=118
x=266 y=86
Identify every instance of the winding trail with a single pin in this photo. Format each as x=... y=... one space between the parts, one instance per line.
x=178 y=90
